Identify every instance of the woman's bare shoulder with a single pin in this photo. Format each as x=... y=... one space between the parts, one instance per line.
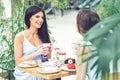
x=19 y=35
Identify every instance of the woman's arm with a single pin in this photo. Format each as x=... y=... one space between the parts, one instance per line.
x=81 y=71
x=81 y=67
x=18 y=42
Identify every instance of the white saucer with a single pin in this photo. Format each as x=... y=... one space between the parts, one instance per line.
x=49 y=69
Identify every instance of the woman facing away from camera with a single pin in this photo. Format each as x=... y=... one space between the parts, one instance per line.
x=28 y=43
x=86 y=19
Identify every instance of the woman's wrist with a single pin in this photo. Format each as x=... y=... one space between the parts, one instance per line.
x=37 y=53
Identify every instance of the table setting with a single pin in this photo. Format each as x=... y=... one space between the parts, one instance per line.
x=55 y=67
x=50 y=66
x=49 y=70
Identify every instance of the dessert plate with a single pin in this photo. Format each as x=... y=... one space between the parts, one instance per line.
x=49 y=69
x=50 y=63
x=27 y=64
x=64 y=67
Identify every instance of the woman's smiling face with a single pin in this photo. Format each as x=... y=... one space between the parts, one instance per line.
x=37 y=20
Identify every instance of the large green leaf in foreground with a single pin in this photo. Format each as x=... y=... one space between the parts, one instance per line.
x=105 y=36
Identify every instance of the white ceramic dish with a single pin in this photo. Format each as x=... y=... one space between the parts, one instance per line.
x=50 y=63
x=64 y=67
x=49 y=69
x=27 y=64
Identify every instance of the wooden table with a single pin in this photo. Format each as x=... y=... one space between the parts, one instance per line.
x=49 y=76
x=111 y=76
x=52 y=76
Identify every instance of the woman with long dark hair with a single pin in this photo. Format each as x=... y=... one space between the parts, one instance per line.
x=28 y=43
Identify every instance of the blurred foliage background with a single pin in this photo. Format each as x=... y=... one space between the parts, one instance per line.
x=108 y=8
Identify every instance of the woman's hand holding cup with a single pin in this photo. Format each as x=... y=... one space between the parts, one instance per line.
x=42 y=51
x=47 y=47
x=45 y=51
